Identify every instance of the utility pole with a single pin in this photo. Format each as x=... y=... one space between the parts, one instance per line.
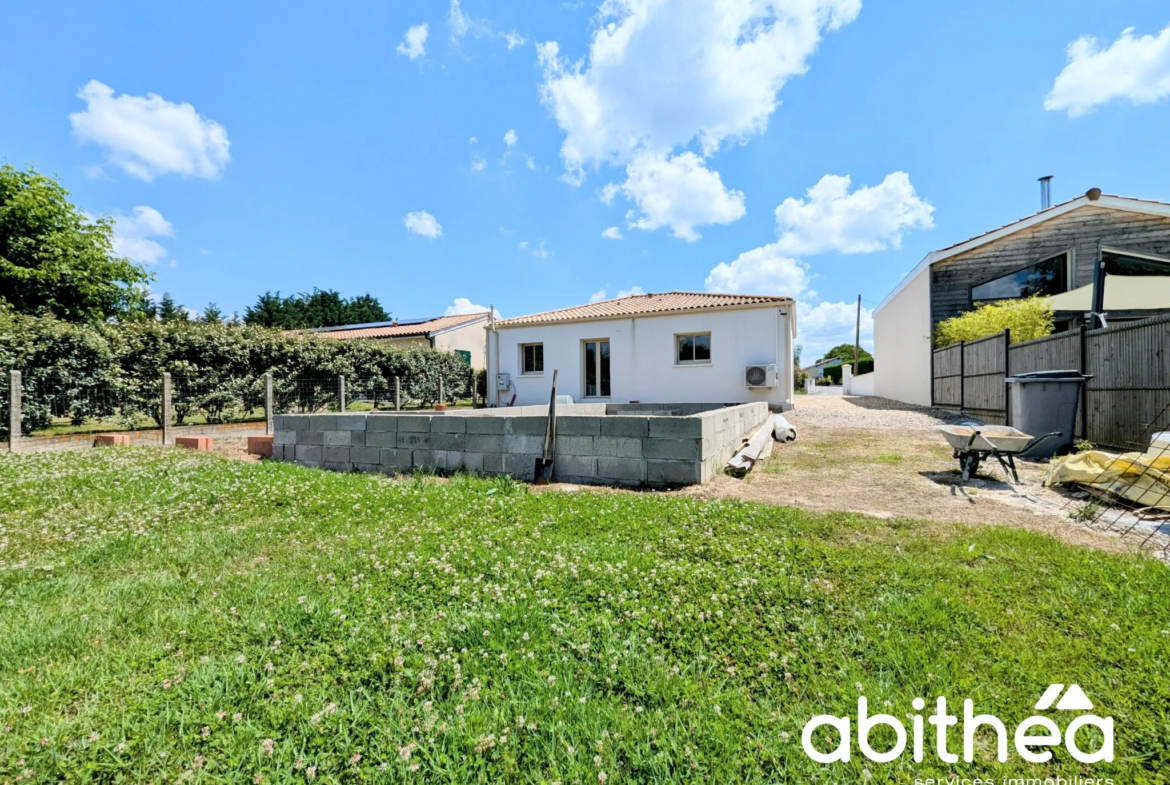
x=857 y=339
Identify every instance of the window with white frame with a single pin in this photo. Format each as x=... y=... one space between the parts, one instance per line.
x=692 y=349
x=531 y=358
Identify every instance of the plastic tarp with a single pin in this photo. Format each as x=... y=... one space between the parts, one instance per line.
x=1142 y=478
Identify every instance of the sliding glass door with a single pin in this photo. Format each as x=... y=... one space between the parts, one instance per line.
x=595 y=355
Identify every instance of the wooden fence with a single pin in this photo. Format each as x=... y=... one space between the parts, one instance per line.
x=1127 y=399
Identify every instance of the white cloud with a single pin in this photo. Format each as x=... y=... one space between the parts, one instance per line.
x=825 y=325
x=1133 y=68
x=540 y=252
x=148 y=136
x=523 y=245
x=463 y=305
x=478 y=164
x=513 y=40
x=414 y=43
x=423 y=223
x=631 y=292
x=603 y=294
x=867 y=220
x=612 y=233
x=463 y=25
x=764 y=270
x=511 y=138
x=659 y=75
x=530 y=162
x=598 y=296
x=679 y=192
x=132 y=234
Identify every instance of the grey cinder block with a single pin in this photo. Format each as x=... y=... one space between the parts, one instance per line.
x=395 y=458
x=473 y=462
x=284 y=437
x=672 y=449
x=449 y=424
x=625 y=426
x=578 y=426
x=575 y=466
x=572 y=445
x=426 y=458
x=337 y=438
x=310 y=437
x=352 y=422
x=412 y=441
x=526 y=425
x=523 y=444
x=335 y=455
x=414 y=423
x=484 y=442
x=381 y=438
x=676 y=427
x=365 y=454
x=381 y=422
x=493 y=463
x=323 y=422
x=673 y=472
x=486 y=425
x=308 y=452
x=338 y=466
x=630 y=470
x=448 y=441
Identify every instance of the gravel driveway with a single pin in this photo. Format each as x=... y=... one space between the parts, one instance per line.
x=872 y=414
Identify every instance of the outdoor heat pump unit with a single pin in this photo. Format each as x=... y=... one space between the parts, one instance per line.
x=760 y=375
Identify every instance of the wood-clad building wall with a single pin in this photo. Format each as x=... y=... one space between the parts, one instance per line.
x=1077 y=232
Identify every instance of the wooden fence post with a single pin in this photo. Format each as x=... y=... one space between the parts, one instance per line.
x=1083 y=366
x=397 y=393
x=1007 y=371
x=268 y=404
x=962 y=375
x=13 y=410
x=167 y=436
x=341 y=393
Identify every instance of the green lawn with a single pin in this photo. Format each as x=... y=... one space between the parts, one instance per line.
x=173 y=617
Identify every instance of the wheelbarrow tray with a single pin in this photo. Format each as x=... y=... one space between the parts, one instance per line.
x=992 y=438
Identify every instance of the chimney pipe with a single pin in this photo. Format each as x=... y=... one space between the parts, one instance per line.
x=1045 y=192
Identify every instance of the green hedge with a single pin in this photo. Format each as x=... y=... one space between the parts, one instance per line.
x=83 y=371
x=835 y=372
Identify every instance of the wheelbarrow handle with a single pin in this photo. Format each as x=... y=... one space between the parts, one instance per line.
x=1039 y=439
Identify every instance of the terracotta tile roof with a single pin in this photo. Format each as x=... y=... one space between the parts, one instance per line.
x=414 y=329
x=644 y=304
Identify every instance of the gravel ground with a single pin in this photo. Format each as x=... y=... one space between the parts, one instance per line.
x=869 y=413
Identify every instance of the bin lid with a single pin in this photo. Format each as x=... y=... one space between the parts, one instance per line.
x=1049 y=376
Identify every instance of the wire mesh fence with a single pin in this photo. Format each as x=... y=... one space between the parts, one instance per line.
x=54 y=405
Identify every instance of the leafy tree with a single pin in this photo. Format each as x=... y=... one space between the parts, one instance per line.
x=55 y=261
x=1027 y=319
x=844 y=353
x=212 y=314
x=170 y=311
x=320 y=308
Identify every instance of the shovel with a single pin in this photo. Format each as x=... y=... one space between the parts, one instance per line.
x=544 y=465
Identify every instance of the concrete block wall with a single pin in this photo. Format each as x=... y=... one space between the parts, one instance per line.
x=591 y=447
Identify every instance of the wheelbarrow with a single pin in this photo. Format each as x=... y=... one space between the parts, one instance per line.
x=973 y=444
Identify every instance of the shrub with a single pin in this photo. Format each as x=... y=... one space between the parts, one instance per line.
x=1027 y=319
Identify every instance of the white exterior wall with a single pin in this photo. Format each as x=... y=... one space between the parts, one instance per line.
x=901 y=343
x=468 y=338
x=642 y=358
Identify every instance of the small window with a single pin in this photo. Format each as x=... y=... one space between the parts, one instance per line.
x=532 y=355
x=1045 y=278
x=693 y=348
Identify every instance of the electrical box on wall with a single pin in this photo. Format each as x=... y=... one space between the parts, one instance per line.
x=503 y=381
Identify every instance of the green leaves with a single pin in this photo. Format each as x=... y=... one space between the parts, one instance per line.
x=55 y=261
x=1028 y=319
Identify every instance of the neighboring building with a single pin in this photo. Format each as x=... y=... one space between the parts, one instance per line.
x=817 y=369
x=1052 y=253
x=677 y=347
x=463 y=334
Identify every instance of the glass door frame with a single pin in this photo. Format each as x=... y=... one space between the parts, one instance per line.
x=598 y=361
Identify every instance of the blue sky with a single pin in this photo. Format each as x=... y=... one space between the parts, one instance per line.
x=250 y=147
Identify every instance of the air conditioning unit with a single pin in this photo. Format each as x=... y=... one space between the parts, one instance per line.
x=761 y=375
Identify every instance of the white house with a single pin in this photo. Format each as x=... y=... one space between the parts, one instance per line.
x=677 y=347
x=463 y=334
x=1052 y=254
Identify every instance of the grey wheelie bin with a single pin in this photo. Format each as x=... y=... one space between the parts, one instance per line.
x=1043 y=402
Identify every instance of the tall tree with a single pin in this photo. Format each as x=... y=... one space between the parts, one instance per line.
x=170 y=311
x=212 y=314
x=319 y=308
x=55 y=261
x=844 y=353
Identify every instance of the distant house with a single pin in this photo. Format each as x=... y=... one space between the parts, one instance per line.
x=677 y=347
x=464 y=334
x=817 y=369
x=1054 y=254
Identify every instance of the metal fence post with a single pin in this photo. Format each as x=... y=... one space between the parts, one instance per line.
x=442 y=400
x=268 y=403
x=167 y=436
x=397 y=393
x=1007 y=365
x=1083 y=366
x=341 y=393
x=13 y=410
